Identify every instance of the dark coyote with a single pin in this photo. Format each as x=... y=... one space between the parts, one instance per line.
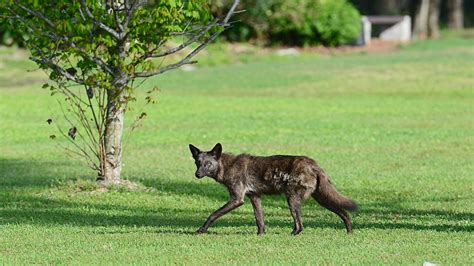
x=297 y=177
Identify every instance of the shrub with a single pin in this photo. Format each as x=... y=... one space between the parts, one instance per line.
x=302 y=22
x=338 y=22
x=295 y=22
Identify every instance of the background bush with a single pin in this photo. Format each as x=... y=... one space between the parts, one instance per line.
x=295 y=22
x=338 y=22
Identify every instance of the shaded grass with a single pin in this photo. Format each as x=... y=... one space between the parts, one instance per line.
x=393 y=130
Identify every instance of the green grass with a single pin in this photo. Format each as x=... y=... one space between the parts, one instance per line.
x=395 y=131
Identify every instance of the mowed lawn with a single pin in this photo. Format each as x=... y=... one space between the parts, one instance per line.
x=394 y=130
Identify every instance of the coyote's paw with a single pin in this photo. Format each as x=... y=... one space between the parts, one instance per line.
x=201 y=230
x=296 y=231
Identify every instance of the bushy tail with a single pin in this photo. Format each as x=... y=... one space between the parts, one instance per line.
x=327 y=195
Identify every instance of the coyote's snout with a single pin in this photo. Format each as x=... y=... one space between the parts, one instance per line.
x=298 y=177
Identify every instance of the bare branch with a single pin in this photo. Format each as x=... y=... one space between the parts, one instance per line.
x=91 y=107
x=230 y=13
x=126 y=3
x=91 y=163
x=116 y=11
x=44 y=60
x=84 y=152
x=48 y=62
x=187 y=59
x=79 y=133
x=189 y=41
x=99 y=24
x=129 y=11
x=136 y=4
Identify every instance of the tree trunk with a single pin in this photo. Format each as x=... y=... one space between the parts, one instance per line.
x=420 y=29
x=112 y=164
x=433 y=19
x=114 y=123
x=455 y=14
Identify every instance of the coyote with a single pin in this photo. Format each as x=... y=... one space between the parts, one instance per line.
x=297 y=177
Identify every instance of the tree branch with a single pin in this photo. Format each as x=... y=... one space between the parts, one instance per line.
x=189 y=41
x=116 y=10
x=187 y=59
x=55 y=37
x=48 y=62
x=99 y=24
x=36 y=14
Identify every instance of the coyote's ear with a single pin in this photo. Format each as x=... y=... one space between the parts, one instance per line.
x=194 y=151
x=217 y=151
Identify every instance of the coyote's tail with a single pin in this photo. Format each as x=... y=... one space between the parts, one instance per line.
x=327 y=195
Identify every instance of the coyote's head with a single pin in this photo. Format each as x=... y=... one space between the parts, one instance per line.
x=207 y=163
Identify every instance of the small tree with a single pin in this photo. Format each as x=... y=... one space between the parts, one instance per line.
x=95 y=50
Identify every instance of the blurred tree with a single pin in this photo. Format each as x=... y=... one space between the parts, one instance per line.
x=420 y=28
x=455 y=14
x=433 y=19
x=427 y=19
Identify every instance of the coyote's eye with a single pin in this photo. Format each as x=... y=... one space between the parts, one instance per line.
x=207 y=164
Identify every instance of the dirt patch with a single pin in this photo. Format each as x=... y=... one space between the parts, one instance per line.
x=375 y=46
x=94 y=187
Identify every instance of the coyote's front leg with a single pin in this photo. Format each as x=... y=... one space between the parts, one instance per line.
x=235 y=201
